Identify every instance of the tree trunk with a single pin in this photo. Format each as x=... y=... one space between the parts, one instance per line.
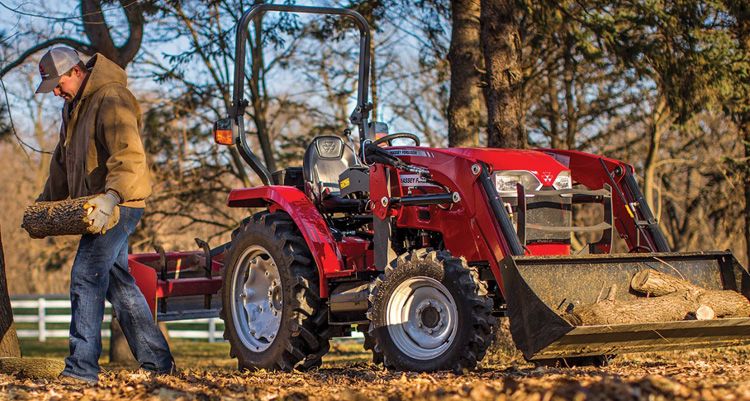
x=569 y=77
x=661 y=121
x=741 y=13
x=745 y=134
x=553 y=108
x=8 y=339
x=465 y=57
x=99 y=34
x=119 y=350
x=501 y=44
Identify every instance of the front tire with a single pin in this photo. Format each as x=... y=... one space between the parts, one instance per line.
x=273 y=315
x=429 y=311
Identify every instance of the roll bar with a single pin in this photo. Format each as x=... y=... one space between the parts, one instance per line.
x=359 y=116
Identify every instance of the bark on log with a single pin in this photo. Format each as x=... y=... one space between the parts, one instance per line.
x=726 y=303
x=656 y=284
x=669 y=299
x=8 y=339
x=34 y=368
x=66 y=217
x=672 y=307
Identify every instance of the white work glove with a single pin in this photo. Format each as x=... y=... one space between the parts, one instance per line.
x=102 y=212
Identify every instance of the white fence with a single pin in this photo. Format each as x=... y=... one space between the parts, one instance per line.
x=45 y=310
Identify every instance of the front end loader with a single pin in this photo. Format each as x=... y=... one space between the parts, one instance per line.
x=422 y=249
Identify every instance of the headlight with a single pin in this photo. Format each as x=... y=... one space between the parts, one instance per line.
x=505 y=182
x=563 y=181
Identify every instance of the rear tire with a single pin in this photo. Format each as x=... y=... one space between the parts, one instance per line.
x=429 y=311
x=273 y=315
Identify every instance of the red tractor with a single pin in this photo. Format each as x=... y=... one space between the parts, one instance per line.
x=422 y=248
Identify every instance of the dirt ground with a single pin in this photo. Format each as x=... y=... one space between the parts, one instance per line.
x=207 y=373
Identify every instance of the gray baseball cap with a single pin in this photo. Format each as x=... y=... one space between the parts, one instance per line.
x=54 y=63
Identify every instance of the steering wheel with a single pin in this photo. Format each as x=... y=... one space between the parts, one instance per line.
x=390 y=137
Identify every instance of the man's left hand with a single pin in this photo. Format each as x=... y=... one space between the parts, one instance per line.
x=103 y=210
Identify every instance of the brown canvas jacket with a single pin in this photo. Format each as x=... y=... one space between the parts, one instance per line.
x=100 y=146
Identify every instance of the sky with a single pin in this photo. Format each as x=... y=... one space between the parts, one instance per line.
x=18 y=17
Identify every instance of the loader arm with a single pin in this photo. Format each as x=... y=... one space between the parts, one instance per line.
x=634 y=220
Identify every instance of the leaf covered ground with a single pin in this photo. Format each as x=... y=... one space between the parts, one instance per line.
x=207 y=373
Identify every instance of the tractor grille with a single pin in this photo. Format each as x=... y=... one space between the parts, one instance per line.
x=548 y=211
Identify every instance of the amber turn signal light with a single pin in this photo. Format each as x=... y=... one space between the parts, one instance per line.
x=223 y=137
x=224 y=131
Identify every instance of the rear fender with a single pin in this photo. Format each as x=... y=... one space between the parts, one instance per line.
x=307 y=218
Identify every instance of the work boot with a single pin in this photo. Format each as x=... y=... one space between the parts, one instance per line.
x=153 y=373
x=66 y=380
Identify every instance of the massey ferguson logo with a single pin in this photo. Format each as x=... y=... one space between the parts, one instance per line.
x=547 y=177
x=328 y=146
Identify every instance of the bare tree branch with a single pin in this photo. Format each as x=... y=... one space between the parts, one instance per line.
x=76 y=44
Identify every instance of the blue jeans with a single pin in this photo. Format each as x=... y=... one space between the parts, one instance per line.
x=101 y=271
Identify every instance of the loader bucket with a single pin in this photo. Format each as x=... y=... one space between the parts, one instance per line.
x=539 y=289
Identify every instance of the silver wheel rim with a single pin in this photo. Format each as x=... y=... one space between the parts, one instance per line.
x=422 y=318
x=257 y=298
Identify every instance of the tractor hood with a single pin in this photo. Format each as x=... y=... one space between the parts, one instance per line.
x=546 y=167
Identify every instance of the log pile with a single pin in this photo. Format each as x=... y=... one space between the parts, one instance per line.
x=665 y=298
x=65 y=217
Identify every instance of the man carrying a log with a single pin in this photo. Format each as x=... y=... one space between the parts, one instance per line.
x=100 y=153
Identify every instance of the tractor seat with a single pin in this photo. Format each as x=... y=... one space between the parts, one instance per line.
x=325 y=159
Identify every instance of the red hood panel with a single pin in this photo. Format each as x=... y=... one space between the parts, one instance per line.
x=537 y=162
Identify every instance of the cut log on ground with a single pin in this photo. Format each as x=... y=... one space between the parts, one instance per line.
x=34 y=368
x=66 y=217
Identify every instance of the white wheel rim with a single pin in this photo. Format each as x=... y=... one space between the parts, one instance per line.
x=422 y=318
x=257 y=298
